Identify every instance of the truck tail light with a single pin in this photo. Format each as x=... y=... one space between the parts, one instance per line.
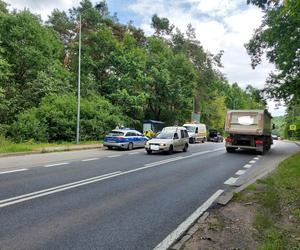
x=259 y=142
x=228 y=139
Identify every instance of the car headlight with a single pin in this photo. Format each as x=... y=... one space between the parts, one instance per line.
x=147 y=143
x=163 y=144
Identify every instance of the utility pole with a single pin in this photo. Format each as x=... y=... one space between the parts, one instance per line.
x=78 y=85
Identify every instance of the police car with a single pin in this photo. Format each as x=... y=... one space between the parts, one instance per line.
x=125 y=138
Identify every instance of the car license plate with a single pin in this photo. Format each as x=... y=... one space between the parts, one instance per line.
x=110 y=141
x=154 y=147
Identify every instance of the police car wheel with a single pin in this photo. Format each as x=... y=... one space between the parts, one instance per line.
x=130 y=146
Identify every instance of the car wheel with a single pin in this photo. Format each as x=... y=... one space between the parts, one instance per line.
x=185 y=148
x=130 y=146
x=149 y=152
x=109 y=147
x=171 y=150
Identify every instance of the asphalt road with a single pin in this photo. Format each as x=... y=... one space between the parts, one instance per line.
x=100 y=199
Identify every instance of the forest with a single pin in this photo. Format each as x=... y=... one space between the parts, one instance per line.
x=126 y=75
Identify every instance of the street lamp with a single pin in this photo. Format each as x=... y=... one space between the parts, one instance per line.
x=78 y=85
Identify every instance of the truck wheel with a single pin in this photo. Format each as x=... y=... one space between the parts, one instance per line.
x=230 y=150
x=171 y=150
x=185 y=148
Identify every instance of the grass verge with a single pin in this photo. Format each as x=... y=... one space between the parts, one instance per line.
x=277 y=220
x=7 y=146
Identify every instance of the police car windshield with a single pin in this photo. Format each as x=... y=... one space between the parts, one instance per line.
x=116 y=133
x=190 y=128
x=165 y=135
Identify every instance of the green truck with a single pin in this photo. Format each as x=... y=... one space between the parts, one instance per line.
x=248 y=129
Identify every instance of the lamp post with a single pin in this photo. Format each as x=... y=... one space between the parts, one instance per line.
x=78 y=85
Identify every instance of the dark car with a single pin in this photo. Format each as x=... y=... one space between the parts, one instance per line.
x=214 y=136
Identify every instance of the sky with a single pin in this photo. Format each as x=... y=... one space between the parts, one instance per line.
x=220 y=25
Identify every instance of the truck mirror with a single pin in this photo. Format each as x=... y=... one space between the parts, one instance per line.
x=273 y=126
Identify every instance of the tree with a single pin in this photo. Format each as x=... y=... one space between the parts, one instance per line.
x=279 y=37
x=161 y=25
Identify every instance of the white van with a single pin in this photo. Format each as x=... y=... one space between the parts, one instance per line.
x=197 y=132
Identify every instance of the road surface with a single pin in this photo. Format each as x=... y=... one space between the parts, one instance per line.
x=100 y=199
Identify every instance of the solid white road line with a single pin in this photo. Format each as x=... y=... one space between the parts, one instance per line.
x=199 y=153
x=91 y=159
x=56 y=164
x=113 y=156
x=134 y=153
x=247 y=166
x=240 y=172
x=230 y=181
x=44 y=192
x=252 y=162
x=164 y=161
x=172 y=237
x=12 y=171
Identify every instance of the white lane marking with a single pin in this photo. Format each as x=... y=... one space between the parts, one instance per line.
x=91 y=159
x=252 y=162
x=247 y=166
x=163 y=161
x=12 y=171
x=44 y=192
x=179 y=231
x=256 y=158
x=240 y=172
x=134 y=153
x=30 y=196
x=56 y=164
x=113 y=156
x=218 y=149
x=199 y=153
x=230 y=181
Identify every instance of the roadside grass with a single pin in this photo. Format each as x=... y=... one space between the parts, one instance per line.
x=7 y=146
x=278 y=218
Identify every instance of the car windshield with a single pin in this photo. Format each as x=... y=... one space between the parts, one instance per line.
x=165 y=135
x=190 y=129
x=115 y=133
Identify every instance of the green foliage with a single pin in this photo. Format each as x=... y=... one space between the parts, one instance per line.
x=156 y=77
x=279 y=37
x=55 y=119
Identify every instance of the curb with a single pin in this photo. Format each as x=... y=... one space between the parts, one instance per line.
x=53 y=150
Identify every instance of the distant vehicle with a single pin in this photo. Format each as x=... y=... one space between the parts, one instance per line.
x=197 y=132
x=125 y=138
x=214 y=136
x=248 y=129
x=169 y=140
x=275 y=137
x=152 y=127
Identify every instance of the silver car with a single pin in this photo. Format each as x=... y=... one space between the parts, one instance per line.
x=169 y=140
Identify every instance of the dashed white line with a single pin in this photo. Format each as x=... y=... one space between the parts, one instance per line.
x=113 y=156
x=134 y=153
x=91 y=159
x=183 y=227
x=12 y=171
x=240 y=172
x=230 y=181
x=56 y=164
x=44 y=192
x=247 y=166
x=252 y=161
x=256 y=158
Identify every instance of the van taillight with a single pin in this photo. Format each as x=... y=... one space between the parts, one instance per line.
x=228 y=139
x=259 y=142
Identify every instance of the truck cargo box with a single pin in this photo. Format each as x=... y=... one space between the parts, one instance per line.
x=248 y=122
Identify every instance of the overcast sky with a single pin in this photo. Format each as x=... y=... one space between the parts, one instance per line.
x=220 y=25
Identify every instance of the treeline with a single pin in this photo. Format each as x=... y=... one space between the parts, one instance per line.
x=126 y=76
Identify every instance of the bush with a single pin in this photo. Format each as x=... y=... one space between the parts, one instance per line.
x=55 y=119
